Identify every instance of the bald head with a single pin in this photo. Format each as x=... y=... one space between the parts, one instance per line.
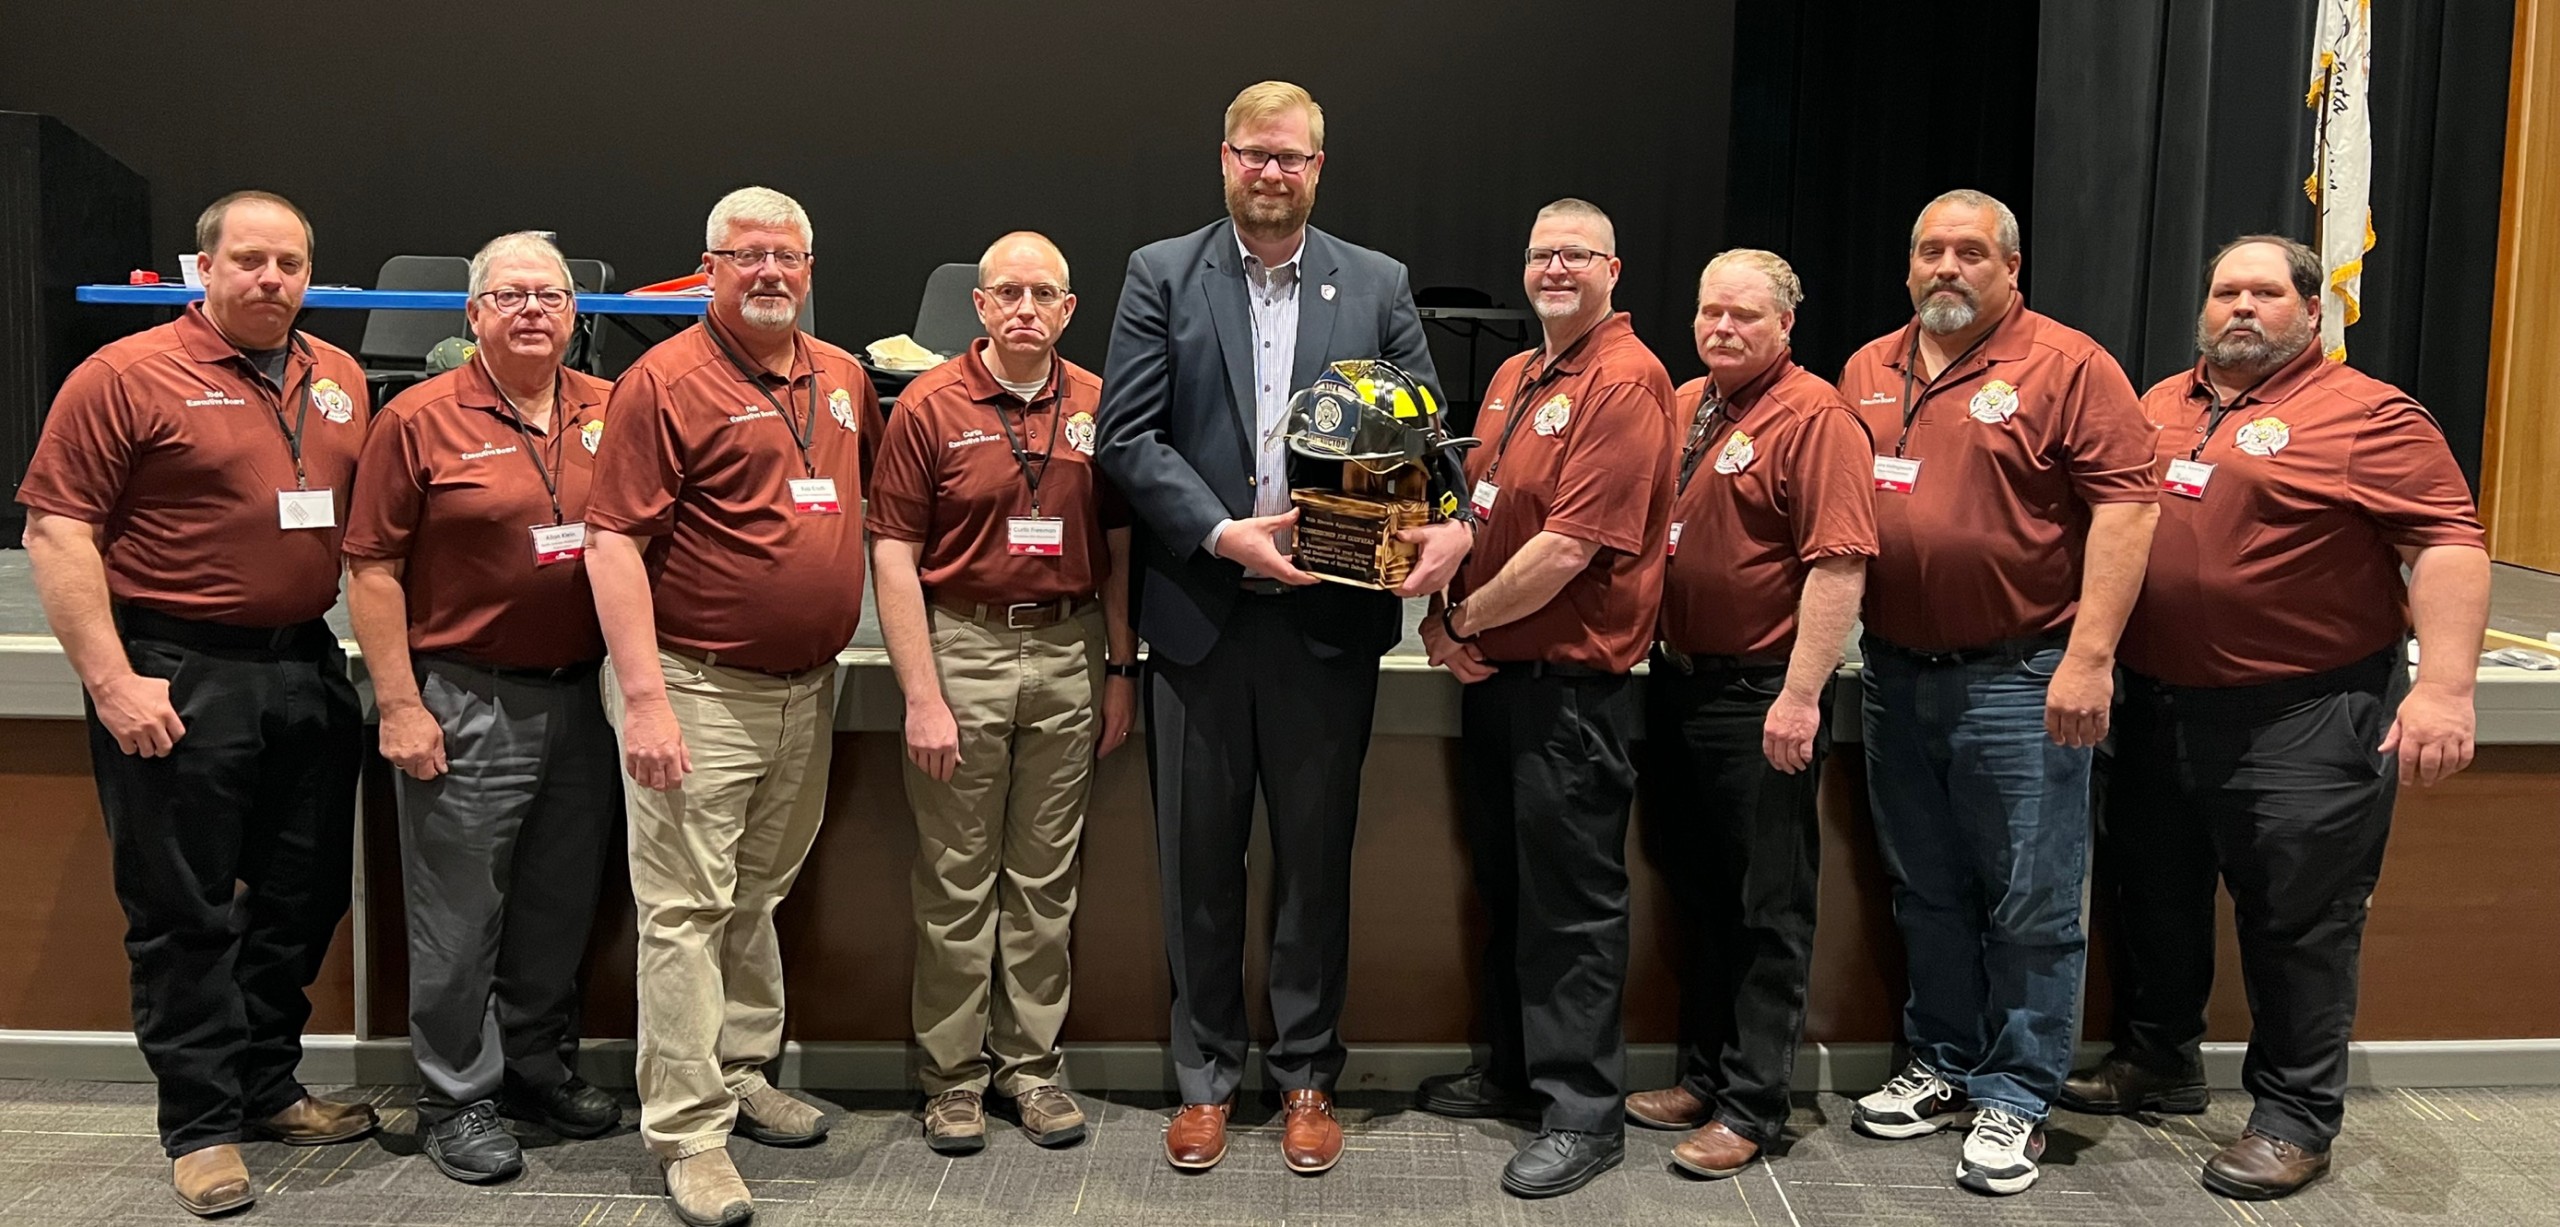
x=1024 y=246
x=1024 y=301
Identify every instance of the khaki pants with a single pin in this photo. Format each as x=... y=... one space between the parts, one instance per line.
x=995 y=874
x=710 y=860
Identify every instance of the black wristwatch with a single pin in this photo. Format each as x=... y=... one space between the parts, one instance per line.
x=1449 y=623
x=1129 y=670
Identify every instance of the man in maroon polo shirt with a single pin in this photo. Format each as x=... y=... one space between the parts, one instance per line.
x=1771 y=527
x=1001 y=558
x=183 y=505
x=1544 y=624
x=727 y=566
x=468 y=590
x=2266 y=701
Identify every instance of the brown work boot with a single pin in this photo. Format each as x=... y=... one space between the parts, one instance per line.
x=955 y=1123
x=1672 y=1107
x=211 y=1181
x=2261 y=1168
x=1050 y=1116
x=1310 y=1138
x=769 y=1116
x=2119 y=1087
x=1196 y=1138
x=1714 y=1152
x=706 y=1190
x=313 y=1121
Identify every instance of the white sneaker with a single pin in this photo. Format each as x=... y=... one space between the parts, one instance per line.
x=1916 y=1102
x=2000 y=1154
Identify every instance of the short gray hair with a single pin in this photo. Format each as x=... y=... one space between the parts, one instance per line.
x=1784 y=286
x=526 y=244
x=1575 y=206
x=2006 y=236
x=2301 y=263
x=756 y=206
x=1065 y=282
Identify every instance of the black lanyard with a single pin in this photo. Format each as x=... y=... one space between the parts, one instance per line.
x=1022 y=451
x=2213 y=420
x=806 y=436
x=1910 y=363
x=1695 y=449
x=549 y=469
x=302 y=393
x=1528 y=392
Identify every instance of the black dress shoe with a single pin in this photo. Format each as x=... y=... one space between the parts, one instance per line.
x=1558 y=1161
x=2119 y=1086
x=573 y=1109
x=472 y=1147
x=1472 y=1094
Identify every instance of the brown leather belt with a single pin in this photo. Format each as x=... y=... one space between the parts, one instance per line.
x=1020 y=616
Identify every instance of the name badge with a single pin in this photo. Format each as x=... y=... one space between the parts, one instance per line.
x=1482 y=502
x=815 y=496
x=1676 y=526
x=1897 y=473
x=2187 y=477
x=559 y=542
x=1035 y=536
x=305 y=509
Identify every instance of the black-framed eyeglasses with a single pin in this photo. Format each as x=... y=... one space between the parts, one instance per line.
x=511 y=299
x=1010 y=294
x=1574 y=259
x=1256 y=159
x=745 y=259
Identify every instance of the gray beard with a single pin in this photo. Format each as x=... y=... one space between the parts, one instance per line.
x=2251 y=352
x=1943 y=315
x=768 y=317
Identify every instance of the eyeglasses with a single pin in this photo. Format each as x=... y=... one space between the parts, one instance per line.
x=1256 y=159
x=746 y=259
x=1010 y=295
x=1574 y=259
x=511 y=299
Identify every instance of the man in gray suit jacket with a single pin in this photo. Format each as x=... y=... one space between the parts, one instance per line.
x=1256 y=672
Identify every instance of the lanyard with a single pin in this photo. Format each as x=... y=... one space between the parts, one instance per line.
x=1695 y=449
x=1910 y=407
x=1528 y=392
x=1022 y=452
x=2213 y=421
x=806 y=436
x=302 y=395
x=548 y=468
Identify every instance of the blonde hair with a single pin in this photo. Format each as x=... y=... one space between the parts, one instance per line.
x=756 y=206
x=1785 y=288
x=523 y=243
x=1264 y=99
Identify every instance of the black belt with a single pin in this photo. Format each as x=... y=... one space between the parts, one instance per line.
x=1666 y=656
x=521 y=673
x=2371 y=675
x=1549 y=668
x=1017 y=616
x=311 y=638
x=2006 y=649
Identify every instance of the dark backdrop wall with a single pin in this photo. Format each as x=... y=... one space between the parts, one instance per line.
x=914 y=133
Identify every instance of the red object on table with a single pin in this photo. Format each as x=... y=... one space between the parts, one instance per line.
x=142 y=276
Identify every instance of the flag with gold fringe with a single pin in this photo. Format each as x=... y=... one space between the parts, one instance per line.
x=2341 y=179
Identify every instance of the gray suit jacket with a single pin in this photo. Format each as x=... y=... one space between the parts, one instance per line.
x=1176 y=431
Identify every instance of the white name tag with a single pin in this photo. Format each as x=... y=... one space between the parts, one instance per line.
x=1036 y=536
x=559 y=542
x=305 y=509
x=815 y=496
x=1897 y=473
x=2187 y=477
x=1676 y=526
x=1482 y=503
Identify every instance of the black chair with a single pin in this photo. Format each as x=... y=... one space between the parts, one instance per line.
x=946 y=321
x=395 y=344
x=586 y=346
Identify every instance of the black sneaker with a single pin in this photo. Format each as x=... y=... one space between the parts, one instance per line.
x=573 y=1109
x=1472 y=1095
x=472 y=1147
x=2120 y=1086
x=1558 y=1161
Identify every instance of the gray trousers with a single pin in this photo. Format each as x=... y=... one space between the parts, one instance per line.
x=502 y=855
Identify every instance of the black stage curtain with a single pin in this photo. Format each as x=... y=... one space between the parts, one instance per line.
x=2167 y=127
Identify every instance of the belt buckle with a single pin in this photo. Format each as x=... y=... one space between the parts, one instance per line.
x=1013 y=615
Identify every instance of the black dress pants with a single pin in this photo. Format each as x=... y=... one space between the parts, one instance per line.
x=233 y=858
x=1547 y=786
x=1740 y=845
x=1262 y=709
x=2279 y=790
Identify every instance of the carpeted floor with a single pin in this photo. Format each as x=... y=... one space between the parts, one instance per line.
x=80 y=1153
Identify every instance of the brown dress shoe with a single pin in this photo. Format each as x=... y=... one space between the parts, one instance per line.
x=313 y=1121
x=2261 y=1168
x=1197 y=1137
x=1714 y=1152
x=1672 y=1107
x=1311 y=1140
x=211 y=1181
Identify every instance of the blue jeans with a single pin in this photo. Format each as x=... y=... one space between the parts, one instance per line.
x=1983 y=820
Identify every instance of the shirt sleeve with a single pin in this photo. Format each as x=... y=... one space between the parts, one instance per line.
x=1604 y=490
x=86 y=451
x=902 y=486
x=2401 y=473
x=639 y=461
x=2107 y=438
x=1830 y=490
x=390 y=494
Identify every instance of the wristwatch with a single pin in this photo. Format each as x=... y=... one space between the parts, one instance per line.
x=1129 y=670
x=1449 y=623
